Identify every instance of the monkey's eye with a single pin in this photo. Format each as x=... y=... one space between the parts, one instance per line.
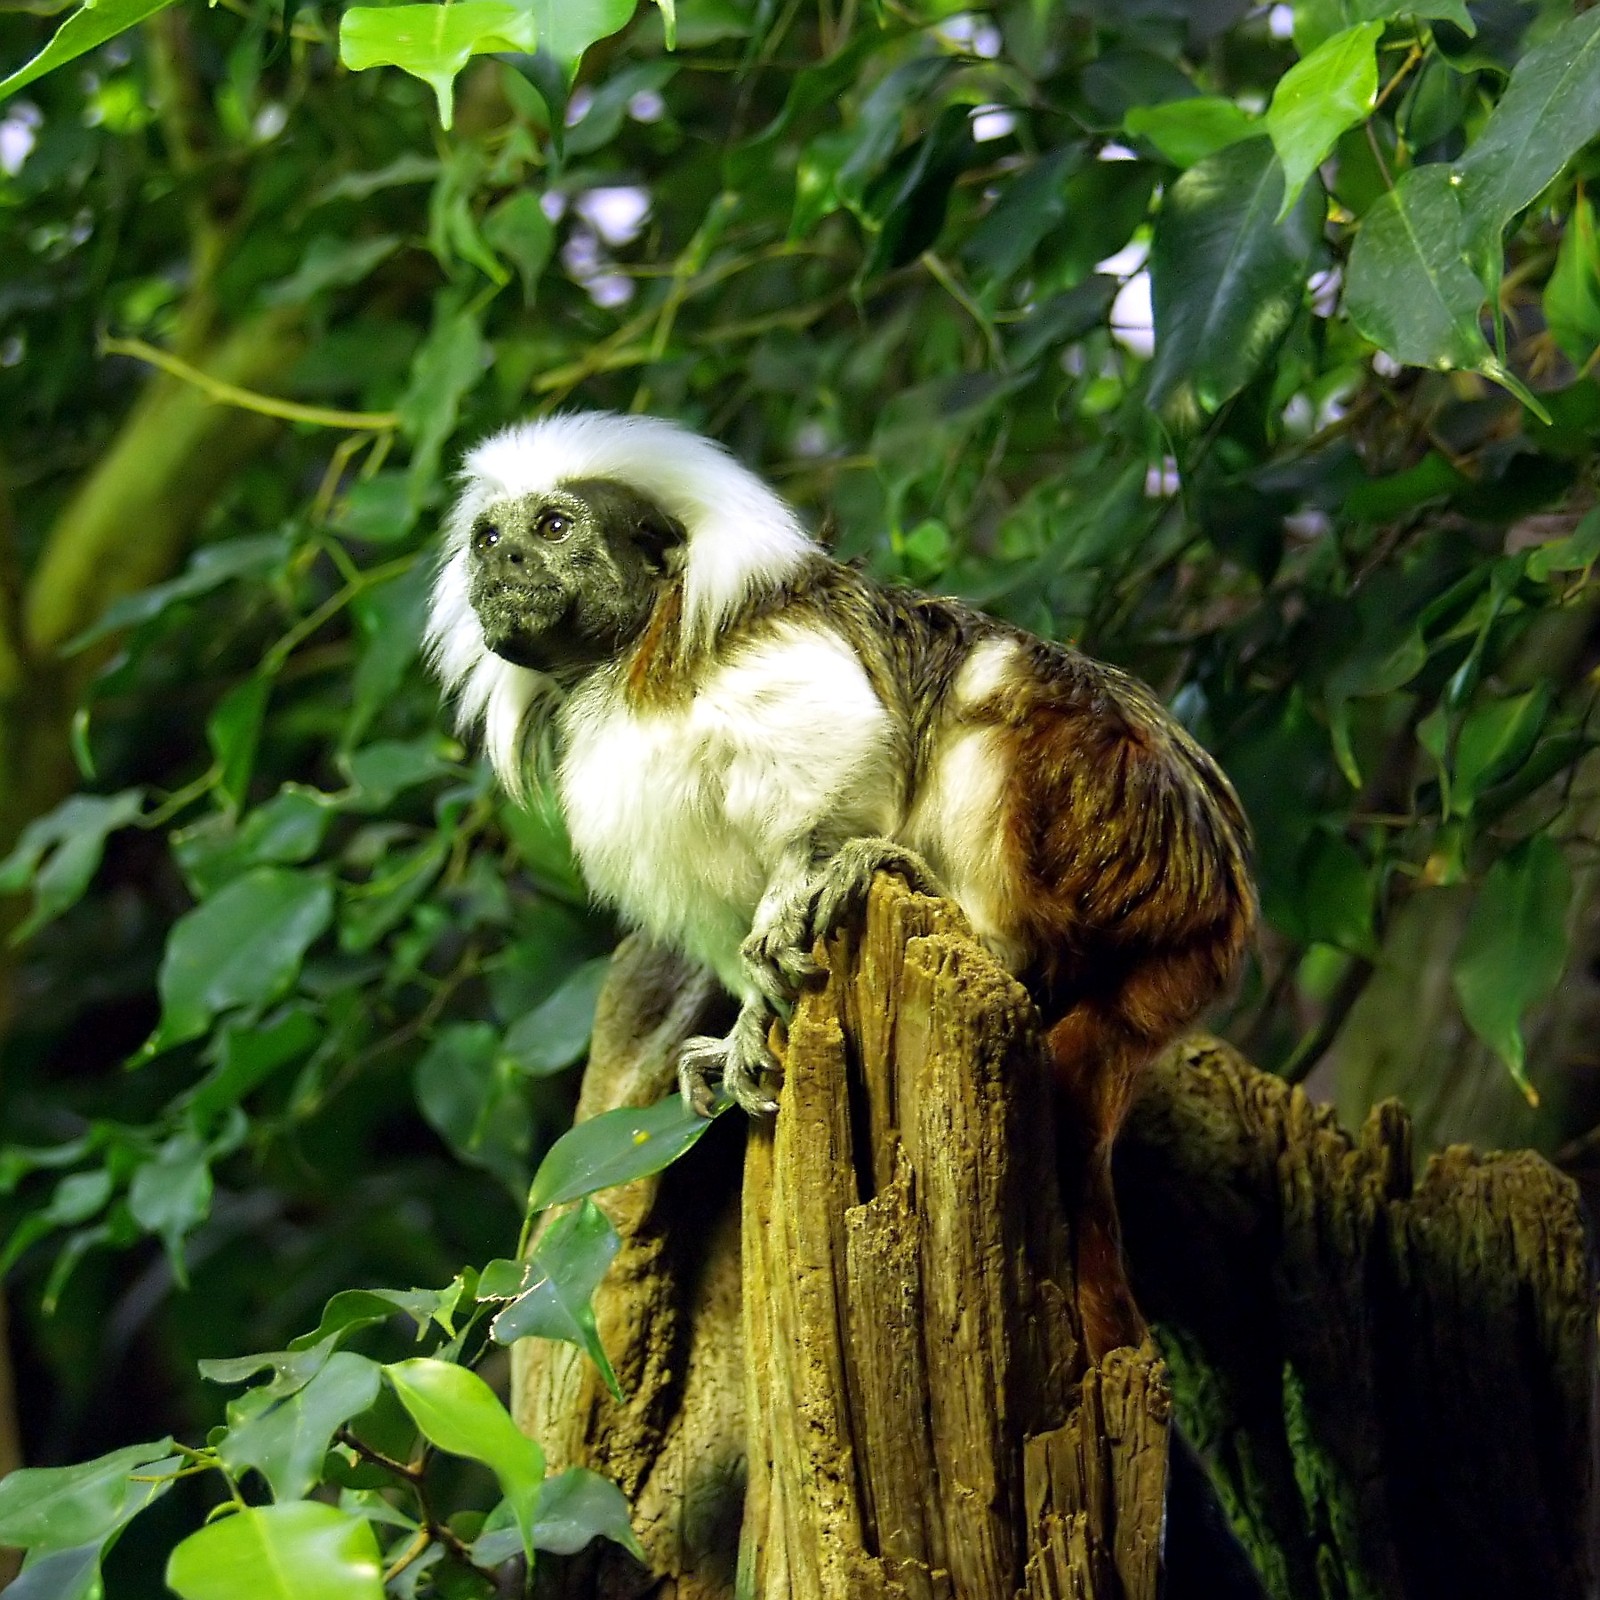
x=485 y=537
x=552 y=525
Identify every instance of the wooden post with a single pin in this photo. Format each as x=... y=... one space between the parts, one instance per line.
x=851 y=1354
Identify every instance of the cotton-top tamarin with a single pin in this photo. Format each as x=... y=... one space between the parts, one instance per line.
x=745 y=731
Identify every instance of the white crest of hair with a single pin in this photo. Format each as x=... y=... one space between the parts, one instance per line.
x=743 y=538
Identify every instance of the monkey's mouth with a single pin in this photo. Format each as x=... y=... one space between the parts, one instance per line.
x=525 y=624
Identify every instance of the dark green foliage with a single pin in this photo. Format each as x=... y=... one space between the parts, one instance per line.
x=1341 y=515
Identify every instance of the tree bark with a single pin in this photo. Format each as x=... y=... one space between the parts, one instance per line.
x=853 y=1369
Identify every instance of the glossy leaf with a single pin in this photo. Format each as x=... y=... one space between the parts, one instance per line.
x=1187 y=131
x=556 y=1033
x=1550 y=110
x=1514 y=948
x=88 y=27
x=434 y=42
x=288 y=828
x=615 y=1147
x=457 y=1411
x=557 y=1284
x=353 y=1309
x=1409 y=288
x=300 y=1551
x=290 y=1369
x=61 y=1575
x=1332 y=89
x=286 y=1442
x=243 y=947
x=1226 y=279
x=575 y=1507
x=61 y=1508
x=1495 y=739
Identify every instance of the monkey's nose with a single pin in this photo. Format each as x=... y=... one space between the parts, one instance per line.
x=493 y=548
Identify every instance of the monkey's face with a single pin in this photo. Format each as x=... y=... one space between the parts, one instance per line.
x=563 y=579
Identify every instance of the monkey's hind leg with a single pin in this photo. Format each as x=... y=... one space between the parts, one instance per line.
x=739 y=1062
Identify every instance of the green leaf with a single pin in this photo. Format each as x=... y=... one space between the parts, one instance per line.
x=519 y=230
x=451 y=361
x=1409 y=287
x=61 y=1575
x=1332 y=89
x=1033 y=205
x=90 y=25
x=568 y=27
x=474 y=1097
x=378 y=510
x=61 y=1508
x=1226 y=279
x=286 y=1442
x=353 y=1309
x=553 y=1298
x=1338 y=895
x=1572 y=296
x=1187 y=131
x=1514 y=948
x=171 y=1195
x=233 y=731
x=246 y=1056
x=373 y=908
x=60 y=852
x=615 y=1147
x=381 y=770
x=243 y=947
x=291 y=1369
x=457 y=1411
x=434 y=42
x=1576 y=553
x=556 y=1033
x=1550 y=110
x=1495 y=739
x=330 y=263
x=389 y=621
x=575 y=1507
x=209 y=568
x=300 y=1551
x=76 y=1198
x=287 y=828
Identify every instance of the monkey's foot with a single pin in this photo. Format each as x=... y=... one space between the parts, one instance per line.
x=777 y=955
x=838 y=893
x=739 y=1062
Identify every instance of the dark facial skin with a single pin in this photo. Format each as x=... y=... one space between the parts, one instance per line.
x=563 y=580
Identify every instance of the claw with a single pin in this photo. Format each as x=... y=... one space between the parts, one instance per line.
x=739 y=1063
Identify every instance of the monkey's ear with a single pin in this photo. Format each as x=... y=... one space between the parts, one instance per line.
x=662 y=537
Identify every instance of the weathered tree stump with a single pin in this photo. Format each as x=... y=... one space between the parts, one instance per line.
x=850 y=1349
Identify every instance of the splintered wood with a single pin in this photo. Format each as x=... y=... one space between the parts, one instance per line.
x=921 y=1424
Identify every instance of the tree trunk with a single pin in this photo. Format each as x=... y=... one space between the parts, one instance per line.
x=854 y=1369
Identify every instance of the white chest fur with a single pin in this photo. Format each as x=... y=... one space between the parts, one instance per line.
x=680 y=816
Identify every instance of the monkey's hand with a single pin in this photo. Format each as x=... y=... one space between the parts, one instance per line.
x=777 y=954
x=739 y=1062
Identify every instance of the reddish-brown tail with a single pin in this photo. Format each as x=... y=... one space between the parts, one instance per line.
x=1097 y=1060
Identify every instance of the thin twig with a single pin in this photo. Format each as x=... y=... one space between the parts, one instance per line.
x=229 y=394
